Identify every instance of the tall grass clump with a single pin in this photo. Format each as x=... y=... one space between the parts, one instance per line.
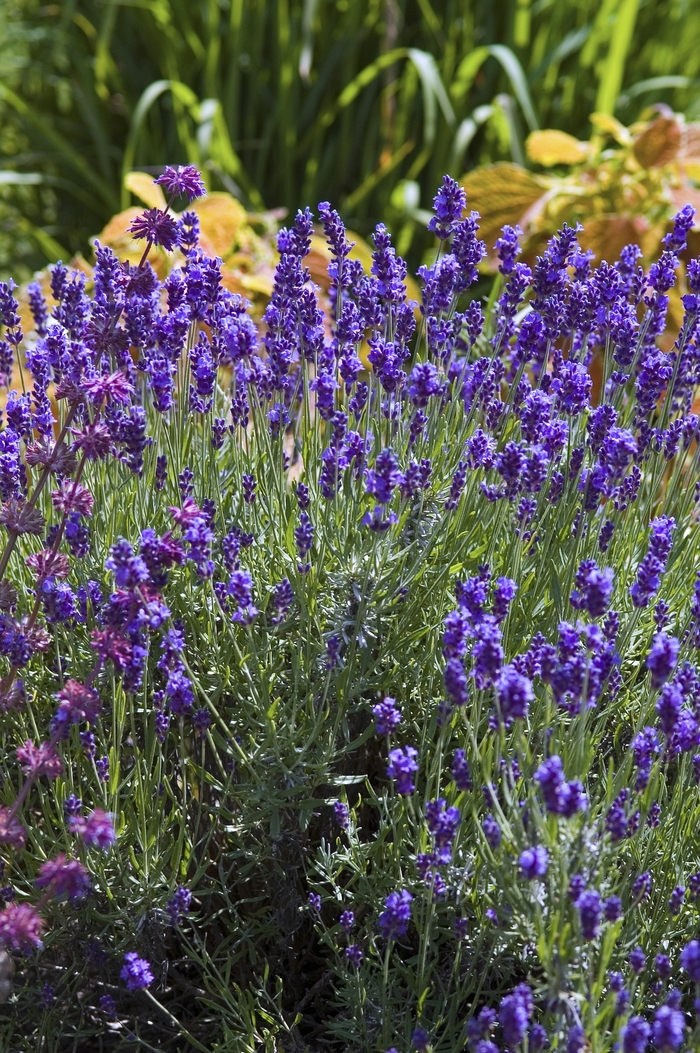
x=367 y=102
x=349 y=667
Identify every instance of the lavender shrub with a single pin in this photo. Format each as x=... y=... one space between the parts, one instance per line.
x=350 y=707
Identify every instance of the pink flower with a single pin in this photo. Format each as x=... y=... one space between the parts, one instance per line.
x=186 y=515
x=94 y=439
x=97 y=830
x=49 y=564
x=72 y=497
x=110 y=643
x=11 y=830
x=20 y=927
x=77 y=703
x=116 y=387
x=40 y=760
x=67 y=878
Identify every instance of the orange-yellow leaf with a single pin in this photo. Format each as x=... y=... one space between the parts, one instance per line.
x=501 y=193
x=143 y=187
x=552 y=147
x=220 y=218
x=611 y=126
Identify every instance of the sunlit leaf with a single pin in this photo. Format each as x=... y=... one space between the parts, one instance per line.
x=552 y=147
x=220 y=218
x=659 y=143
x=143 y=187
x=611 y=126
x=607 y=235
x=501 y=193
x=690 y=143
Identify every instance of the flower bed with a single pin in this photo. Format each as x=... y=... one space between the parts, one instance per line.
x=349 y=708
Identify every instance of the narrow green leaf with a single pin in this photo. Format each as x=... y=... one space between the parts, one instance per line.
x=614 y=66
x=61 y=145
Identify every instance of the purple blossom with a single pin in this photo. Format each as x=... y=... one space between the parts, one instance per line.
x=590 y=911
x=347 y=920
x=449 y=204
x=183 y=180
x=662 y=657
x=387 y=716
x=456 y=684
x=95 y=830
x=560 y=797
x=394 y=919
x=668 y=1029
x=179 y=904
x=20 y=928
x=401 y=767
x=460 y=771
x=676 y=901
x=514 y=1014
x=342 y=814
x=384 y=477
x=492 y=831
x=136 y=972
x=65 y=878
x=636 y=1035
x=515 y=694
x=442 y=823
x=508 y=248
x=690 y=960
x=594 y=588
x=654 y=562
x=156 y=227
x=423 y=383
x=533 y=862
x=612 y=908
x=503 y=595
x=487 y=651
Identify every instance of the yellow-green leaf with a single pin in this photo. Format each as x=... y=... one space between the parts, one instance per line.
x=552 y=147
x=143 y=187
x=501 y=193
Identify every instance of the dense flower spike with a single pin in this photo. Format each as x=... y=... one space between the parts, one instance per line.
x=183 y=180
x=402 y=766
x=394 y=919
x=136 y=972
x=96 y=830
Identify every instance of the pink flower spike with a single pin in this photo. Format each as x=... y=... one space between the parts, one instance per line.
x=77 y=703
x=72 y=497
x=49 y=564
x=96 y=831
x=94 y=439
x=116 y=386
x=20 y=927
x=67 y=878
x=40 y=760
x=186 y=515
x=11 y=830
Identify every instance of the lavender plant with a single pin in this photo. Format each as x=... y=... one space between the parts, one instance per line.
x=350 y=707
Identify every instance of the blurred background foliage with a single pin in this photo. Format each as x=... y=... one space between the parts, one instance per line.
x=287 y=102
